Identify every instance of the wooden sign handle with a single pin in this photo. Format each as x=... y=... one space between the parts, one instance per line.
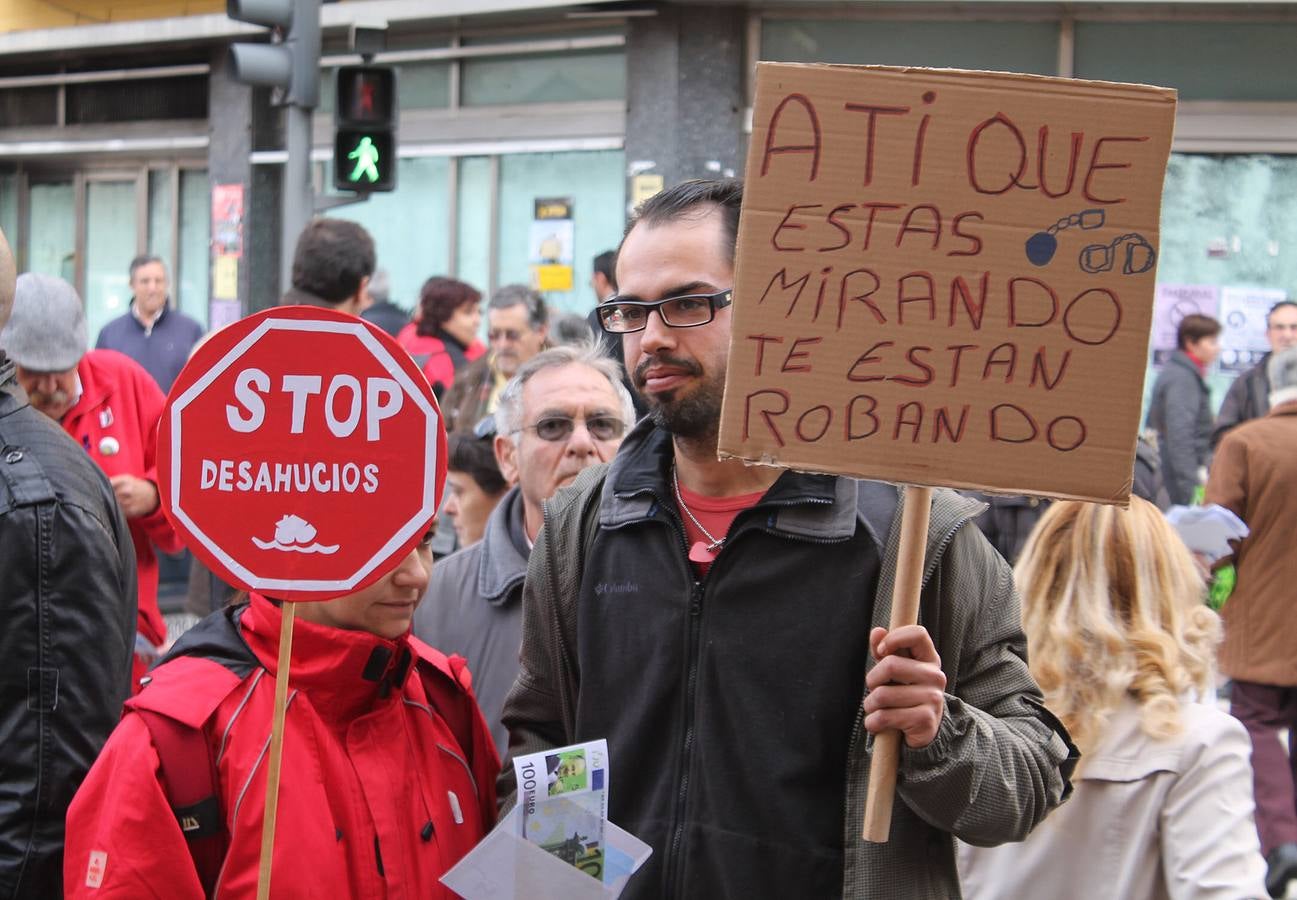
x=905 y=611
x=276 y=749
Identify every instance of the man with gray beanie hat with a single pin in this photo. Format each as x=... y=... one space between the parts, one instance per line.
x=111 y=406
x=67 y=600
x=1254 y=475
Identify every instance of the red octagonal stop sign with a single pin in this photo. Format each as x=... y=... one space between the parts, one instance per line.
x=301 y=453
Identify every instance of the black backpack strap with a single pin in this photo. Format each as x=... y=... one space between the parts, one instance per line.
x=193 y=790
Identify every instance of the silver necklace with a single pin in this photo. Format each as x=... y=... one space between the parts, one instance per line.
x=715 y=545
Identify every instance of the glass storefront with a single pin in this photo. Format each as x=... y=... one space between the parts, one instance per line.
x=412 y=226
x=51 y=230
x=109 y=248
x=84 y=226
x=1226 y=223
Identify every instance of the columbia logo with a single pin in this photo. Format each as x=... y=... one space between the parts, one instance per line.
x=624 y=587
x=189 y=823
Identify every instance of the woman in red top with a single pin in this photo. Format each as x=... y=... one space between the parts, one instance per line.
x=388 y=768
x=443 y=338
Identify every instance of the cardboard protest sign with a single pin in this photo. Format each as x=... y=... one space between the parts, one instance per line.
x=946 y=278
x=301 y=453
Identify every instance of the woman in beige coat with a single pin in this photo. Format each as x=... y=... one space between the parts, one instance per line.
x=1122 y=646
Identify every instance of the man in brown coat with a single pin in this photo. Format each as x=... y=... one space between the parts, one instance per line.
x=1255 y=475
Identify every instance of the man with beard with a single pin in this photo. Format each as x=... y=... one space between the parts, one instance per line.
x=721 y=626
x=564 y=411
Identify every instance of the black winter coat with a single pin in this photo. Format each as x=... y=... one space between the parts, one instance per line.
x=1248 y=398
x=67 y=601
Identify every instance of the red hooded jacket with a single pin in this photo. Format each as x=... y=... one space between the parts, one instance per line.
x=440 y=366
x=116 y=421
x=378 y=797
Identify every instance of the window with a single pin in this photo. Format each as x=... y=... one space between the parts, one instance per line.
x=409 y=225
x=1030 y=47
x=572 y=76
x=1203 y=60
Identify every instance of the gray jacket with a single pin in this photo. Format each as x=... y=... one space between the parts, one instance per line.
x=999 y=762
x=1248 y=398
x=1180 y=412
x=473 y=607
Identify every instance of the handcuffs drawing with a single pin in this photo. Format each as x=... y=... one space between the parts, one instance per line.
x=1094 y=258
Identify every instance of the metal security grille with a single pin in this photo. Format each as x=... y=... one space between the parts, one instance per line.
x=137 y=100
x=23 y=106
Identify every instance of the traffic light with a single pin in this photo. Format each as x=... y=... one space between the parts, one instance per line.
x=291 y=62
x=364 y=140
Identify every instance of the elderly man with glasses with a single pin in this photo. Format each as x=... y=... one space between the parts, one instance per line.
x=1249 y=396
x=563 y=411
x=518 y=328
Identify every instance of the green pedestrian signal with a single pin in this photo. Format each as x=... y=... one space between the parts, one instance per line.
x=364 y=143
x=365 y=155
x=363 y=161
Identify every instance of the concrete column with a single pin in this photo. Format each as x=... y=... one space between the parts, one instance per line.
x=240 y=120
x=229 y=119
x=685 y=94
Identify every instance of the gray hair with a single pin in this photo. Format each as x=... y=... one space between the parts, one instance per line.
x=572 y=328
x=512 y=295
x=1282 y=372
x=508 y=412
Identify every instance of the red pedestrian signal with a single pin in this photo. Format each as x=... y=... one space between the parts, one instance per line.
x=364 y=140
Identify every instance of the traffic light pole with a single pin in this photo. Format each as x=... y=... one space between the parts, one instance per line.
x=297 y=192
x=290 y=64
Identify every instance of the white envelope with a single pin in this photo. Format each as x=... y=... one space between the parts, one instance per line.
x=1207 y=529
x=504 y=866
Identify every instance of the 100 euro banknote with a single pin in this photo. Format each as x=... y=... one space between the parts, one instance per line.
x=564 y=798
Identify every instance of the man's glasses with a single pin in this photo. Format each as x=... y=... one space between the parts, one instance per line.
x=560 y=428
x=624 y=316
x=508 y=334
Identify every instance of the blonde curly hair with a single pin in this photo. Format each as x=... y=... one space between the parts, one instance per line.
x=1112 y=608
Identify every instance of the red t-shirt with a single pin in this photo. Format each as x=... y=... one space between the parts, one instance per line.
x=717 y=515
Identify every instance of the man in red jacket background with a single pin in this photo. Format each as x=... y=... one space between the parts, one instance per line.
x=111 y=406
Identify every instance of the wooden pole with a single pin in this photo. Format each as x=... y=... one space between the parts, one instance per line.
x=905 y=611
x=276 y=749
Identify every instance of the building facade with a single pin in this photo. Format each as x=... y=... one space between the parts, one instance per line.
x=121 y=130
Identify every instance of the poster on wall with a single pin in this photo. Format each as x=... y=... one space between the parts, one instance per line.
x=643 y=187
x=227 y=250
x=1243 y=312
x=946 y=278
x=551 y=244
x=1170 y=305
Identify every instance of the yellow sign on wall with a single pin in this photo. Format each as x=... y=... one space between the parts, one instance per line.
x=20 y=15
x=551 y=277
